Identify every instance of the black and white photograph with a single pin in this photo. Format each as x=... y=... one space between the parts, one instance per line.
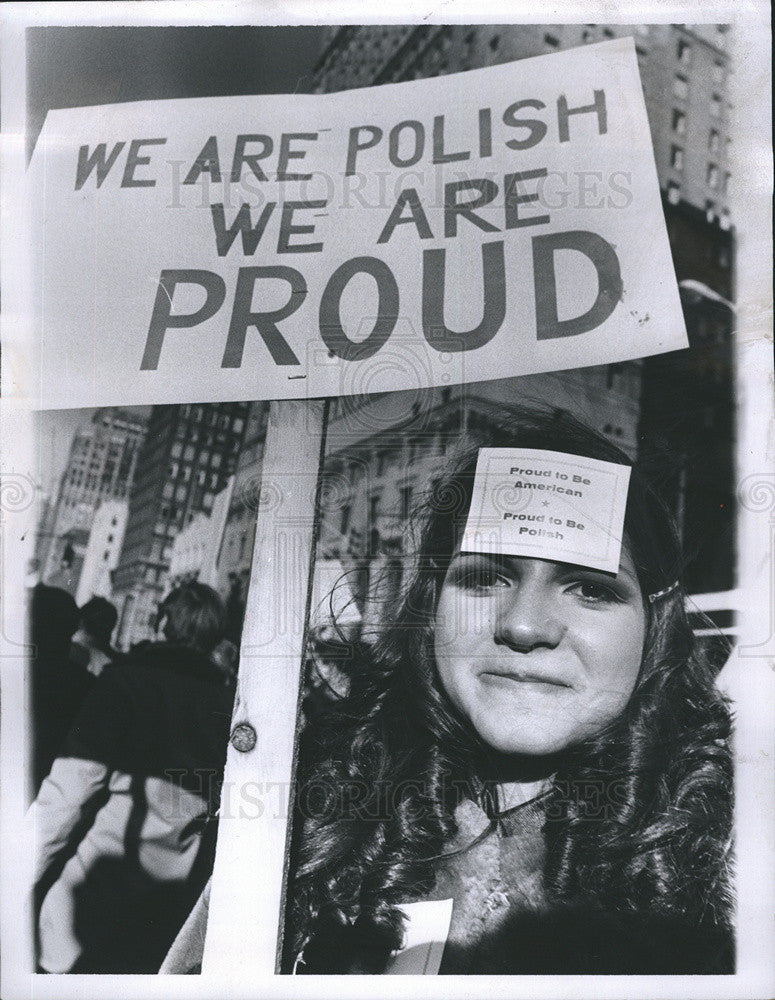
x=388 y=515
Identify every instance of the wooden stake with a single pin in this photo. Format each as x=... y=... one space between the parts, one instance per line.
x=248 y=885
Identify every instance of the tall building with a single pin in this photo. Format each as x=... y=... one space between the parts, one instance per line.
x=684 y=70
x=187 y=457
x=102 y=550
x=240 y=529
x=197 y=547
x=100 y=468
x=674 y=411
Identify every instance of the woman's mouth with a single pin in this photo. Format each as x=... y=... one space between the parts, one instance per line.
x=523 y=677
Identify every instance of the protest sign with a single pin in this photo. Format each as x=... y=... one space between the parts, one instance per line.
x=287 y=247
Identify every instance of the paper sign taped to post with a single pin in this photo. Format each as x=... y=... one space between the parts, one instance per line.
x=394 y=237
x=548 y=505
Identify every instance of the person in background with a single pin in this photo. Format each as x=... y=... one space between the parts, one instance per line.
x=58 y=688
x=124 y=824
x=90 y=648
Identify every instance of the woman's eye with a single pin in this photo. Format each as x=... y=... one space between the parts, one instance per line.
x=483 y=579
x=595 y=593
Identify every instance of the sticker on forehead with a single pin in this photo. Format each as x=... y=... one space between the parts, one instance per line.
x=547 y=505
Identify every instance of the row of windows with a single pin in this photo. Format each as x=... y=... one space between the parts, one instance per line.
x=713 y=176
x=411 y=449
x=681 y=91
x=405 y=494
x=214 y=418
x=180 y=492
x=183 y=474
x=679 y=127
x=189 y=453
x=711 y=211
x=684 y=56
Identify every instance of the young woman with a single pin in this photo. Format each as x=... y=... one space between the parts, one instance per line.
x=540 y=742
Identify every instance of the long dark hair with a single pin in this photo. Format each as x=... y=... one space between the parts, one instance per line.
x=384 y=768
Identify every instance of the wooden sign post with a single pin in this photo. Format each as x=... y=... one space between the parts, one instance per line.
x=244 y=932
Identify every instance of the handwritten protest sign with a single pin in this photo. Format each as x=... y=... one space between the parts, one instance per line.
x=547 y=505
x=288 y=247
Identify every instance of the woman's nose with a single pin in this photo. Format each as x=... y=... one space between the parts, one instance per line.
x=527 y=618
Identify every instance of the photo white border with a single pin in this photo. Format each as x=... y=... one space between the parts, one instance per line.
x=751 y=679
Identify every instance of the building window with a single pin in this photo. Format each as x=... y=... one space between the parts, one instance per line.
x=168 y=490
x=180 y=493
x=607 y=33
x=239 y=423
x=495 y=42
x=373 y=512
x=673 y=192
x=710 y=210
x=344 y=523
x=189 y=453
x=680 y=86
x=552 y=41
x=684 y=52
x=676 y=157
x=679 y=122
x=383 y=462
x=587 y=35
x=715 y=106
x=725 y=222
x=713 y=141
x=725 y=185
x=712 y=176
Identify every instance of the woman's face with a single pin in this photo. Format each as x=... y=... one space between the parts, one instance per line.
x=538 y=655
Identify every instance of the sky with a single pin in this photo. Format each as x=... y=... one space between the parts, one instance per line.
x=80 y=66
